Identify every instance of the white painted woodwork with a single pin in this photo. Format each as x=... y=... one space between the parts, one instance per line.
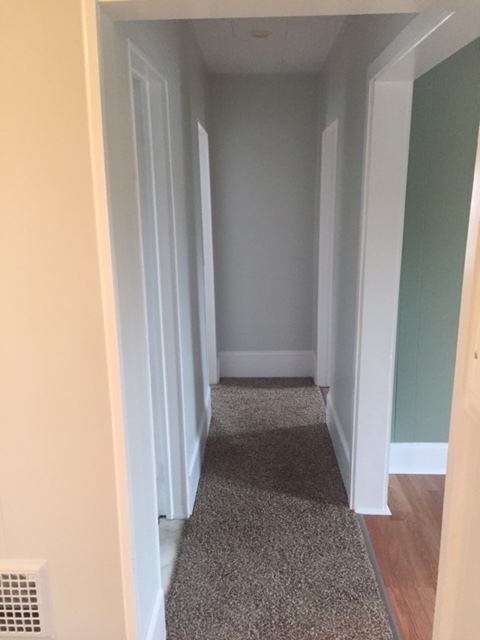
x=418 y=458
x=386 y=161
x=208 y=269
x=196 y=459
x=328 y=181
x=142 y=96
x=97 y=141
x=159 y=275
x=339 y=440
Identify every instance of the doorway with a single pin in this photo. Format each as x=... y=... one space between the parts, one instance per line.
x=207 y=245
x=391 y=77
x=149 y=93
x=328 y=182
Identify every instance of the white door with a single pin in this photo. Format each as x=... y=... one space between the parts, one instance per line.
x=149 y=235
x=159 y=249
x=207 y=243
x=457 y=614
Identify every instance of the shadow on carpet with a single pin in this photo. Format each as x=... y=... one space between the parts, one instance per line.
x=272 y=551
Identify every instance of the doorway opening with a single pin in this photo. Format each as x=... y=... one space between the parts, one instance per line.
x=207 y=245
x=149 y=94
x=326 y=238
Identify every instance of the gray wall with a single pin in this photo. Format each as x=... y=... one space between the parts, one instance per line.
x=263 y=165
x=443 y=141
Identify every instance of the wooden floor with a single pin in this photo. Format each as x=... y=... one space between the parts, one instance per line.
x=406 y=546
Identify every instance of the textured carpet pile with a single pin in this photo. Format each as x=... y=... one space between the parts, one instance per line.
x=272 y=551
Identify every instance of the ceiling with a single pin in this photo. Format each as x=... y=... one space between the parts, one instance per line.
x=267 y=45
x=194 y=9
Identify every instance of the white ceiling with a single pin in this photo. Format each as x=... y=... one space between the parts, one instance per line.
x=194 y=9
x=295 y=44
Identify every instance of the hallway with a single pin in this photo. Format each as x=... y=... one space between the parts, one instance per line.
x=272 y=550
x=80 y=478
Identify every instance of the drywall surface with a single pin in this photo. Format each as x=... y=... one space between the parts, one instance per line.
x=443 y=141
x=263 y=163
x=343 y=96
x=171 y=49
x=57 y=478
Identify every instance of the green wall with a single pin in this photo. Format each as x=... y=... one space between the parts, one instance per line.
x=445 y=120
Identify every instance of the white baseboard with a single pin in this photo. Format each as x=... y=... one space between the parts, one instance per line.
x=195 y=463
x=156 y=628
x=208 y=408
x=423 y=458
x=339 y=441
x=368 y=511
x=267 y=364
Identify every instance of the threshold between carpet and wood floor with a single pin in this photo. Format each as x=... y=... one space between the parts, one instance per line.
x=272 y=551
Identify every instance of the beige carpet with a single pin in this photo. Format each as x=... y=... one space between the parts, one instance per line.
x=272 y=551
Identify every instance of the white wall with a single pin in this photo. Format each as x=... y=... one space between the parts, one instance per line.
x=170 y=48
x=343 y=87
x=58 y=497
x=263 y=152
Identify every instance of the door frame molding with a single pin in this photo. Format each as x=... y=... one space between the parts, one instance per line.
x=173 y=438
x=425 y=42
x=208 y=258
x=326 y=234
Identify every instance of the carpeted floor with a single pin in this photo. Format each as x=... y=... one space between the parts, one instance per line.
x=272 y=551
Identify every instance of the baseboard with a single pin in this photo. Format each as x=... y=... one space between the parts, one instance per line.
x=422 y=458
x=195 y=463
x=208 y=407
x=369 y=511
x=339 y=441
x=267 y=364
x=156 y=628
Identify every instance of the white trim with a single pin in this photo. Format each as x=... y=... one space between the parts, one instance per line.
x=339 y=440
x=267 y=364
x=105 y=255
x=208 y=269
x=426 y=458
x=196 y=459
x=371 y=511
x=174 y=438
x=156 y=627
x=426 y=41
x=172 y=444
x=328 y=181
x=208 y=407
x=386 y=162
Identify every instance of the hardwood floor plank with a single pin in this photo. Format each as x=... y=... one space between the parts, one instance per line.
x=406 y=545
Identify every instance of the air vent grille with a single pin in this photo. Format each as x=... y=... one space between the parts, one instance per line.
x=23 y=612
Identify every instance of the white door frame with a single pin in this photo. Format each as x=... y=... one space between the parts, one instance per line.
x=328 y=183
x=208 y=268
x=151 y=283
x=428 y=40
x=170 y=443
